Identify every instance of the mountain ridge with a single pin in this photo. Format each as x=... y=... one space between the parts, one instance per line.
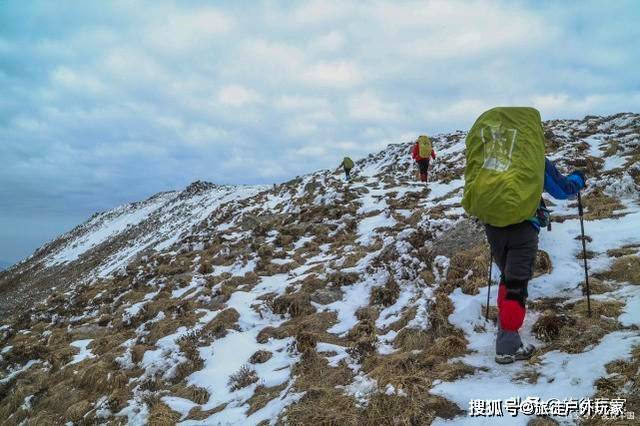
x=318 y=300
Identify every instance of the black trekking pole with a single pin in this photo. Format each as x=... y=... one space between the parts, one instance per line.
x=489 y=284
x=584 y=255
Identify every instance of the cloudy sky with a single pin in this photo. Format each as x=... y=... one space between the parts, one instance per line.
x=103 y=103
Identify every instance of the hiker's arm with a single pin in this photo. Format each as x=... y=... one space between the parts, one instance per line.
x=414 y=152
x=433 y=154
x=559 y=186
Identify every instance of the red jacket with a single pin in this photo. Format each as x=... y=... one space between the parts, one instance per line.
x=416 y=156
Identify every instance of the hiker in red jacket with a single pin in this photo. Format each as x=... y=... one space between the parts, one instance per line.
x=423 y=146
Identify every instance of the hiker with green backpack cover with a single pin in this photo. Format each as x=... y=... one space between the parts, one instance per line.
x=505 y=176
x=422 y=152
x=347 y=165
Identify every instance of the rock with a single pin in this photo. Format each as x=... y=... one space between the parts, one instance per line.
x=325 y=296
x=260 y=357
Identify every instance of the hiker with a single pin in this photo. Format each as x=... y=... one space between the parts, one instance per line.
x=506 y=174
x=347 y=165
x=422 y=153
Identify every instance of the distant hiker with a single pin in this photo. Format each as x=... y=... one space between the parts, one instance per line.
x=505 y=176
x=423 y=152
x=347 y=165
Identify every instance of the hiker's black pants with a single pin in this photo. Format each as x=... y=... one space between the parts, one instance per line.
x=513 y=249
x=423 y=165
x=347 y=173
x=424 y=169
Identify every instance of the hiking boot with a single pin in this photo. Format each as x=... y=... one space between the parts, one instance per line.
x=523 y=352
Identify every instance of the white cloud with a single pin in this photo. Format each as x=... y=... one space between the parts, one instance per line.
x=300 y=102
x=367 y=106
x=333 y=74
x=179 y=31
x=237 y=96
x=320 y=11
x=329 y=42
x=71 y=80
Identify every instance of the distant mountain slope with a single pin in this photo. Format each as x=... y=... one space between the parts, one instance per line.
x=319 y=301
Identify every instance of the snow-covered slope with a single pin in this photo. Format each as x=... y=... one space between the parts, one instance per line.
x=320 y=301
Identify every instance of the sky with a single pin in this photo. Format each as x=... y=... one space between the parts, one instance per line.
x=103 y=103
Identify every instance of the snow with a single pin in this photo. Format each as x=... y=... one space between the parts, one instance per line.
x=367 y=226
x=177 y=222
x=594 y=145
x=361 y=388
x=176 y=215
x=104 y=231
x=562 y=375
x=562 y=247
x=19 y=370
x=613 y=162
x=84 y=352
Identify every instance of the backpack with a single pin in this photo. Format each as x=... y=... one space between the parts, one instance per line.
x=504 y=175
x=347 y=163
x=424 y=146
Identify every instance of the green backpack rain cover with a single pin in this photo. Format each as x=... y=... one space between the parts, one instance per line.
x=347 y=163
x=504 y=176
x=424 y=146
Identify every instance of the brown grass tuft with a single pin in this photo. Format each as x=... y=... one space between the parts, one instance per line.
x=549 y=325
x=469 y=269
x=623 y=269
x=193 y=393
x=385 y=295
x=77 y=411
x=242 y=378
x=260 y=357
x=543 y=264
x=161 y=415
x=598 y=205
x=261 y=397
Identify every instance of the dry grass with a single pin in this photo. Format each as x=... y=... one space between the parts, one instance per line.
x=160 y=414
x=323 y=403
x=624 y=250
x=217 y=327
x=598 y=205
x=77 y=411
x=193 y=393
x=550 y=324
x=440 y=309
x=261 y=397
x=323 y=406
x=569 y=329
x=623 y=381
x=196 y=413
x=597 y=286
x=409 y=339
x=469 y=269
x=385 y=295
x=260 y=357
x=623 y=269
x=242 y=378
x=294 y=304
x=543 y=264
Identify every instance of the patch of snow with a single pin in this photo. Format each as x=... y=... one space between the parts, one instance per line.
x=84 y=352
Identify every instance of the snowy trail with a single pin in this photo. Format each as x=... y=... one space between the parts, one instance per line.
x=559 y=375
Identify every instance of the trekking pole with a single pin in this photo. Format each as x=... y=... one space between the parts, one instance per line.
x=489 y=290
x=584 y=255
